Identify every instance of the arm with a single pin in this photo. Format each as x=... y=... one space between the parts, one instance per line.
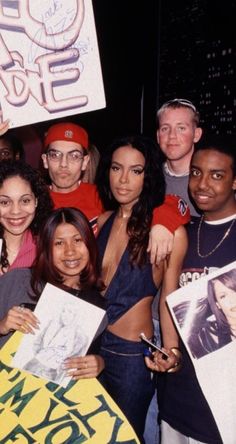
x=170 y=284
x=173 y=213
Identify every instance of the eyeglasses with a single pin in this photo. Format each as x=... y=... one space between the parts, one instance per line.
x=183 y=102
x=72 y=156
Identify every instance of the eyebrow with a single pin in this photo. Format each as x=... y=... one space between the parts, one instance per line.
x=23 y=195
x=132 y=166
x=214 y=170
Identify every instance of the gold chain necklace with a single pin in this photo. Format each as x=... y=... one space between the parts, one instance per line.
x=217 y=245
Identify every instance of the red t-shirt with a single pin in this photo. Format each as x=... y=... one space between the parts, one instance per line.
x=172 y=213
x=85 y=198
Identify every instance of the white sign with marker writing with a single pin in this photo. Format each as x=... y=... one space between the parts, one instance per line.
x=49 y=60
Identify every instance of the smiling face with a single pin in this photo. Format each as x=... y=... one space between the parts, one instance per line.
x=127 y=175
x=64 y=173
x=70 y=254
x=212 y=184
x=177 y=133
x=17 y=206
x=226 y=301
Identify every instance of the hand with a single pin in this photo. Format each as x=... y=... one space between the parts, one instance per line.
x=82 y=367
x=158 y=364
x=160 y=243
x=19 y=318
x=4 y=126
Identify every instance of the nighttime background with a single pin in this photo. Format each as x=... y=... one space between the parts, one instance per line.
x=161 y=49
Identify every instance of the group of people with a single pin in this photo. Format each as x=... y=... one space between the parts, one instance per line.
x=141 y=249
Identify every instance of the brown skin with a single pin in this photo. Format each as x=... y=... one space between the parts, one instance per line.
x=169 y=284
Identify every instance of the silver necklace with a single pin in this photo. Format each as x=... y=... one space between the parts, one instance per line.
x=217 y=245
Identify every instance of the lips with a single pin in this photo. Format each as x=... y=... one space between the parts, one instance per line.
x=16 y=222
x=122 y=191
x=202 y=197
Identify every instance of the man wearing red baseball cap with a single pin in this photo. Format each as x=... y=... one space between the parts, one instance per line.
x=66 y=157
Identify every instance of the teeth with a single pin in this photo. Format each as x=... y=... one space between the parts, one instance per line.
x=71 y=263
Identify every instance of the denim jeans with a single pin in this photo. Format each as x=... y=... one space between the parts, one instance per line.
x=127 y=379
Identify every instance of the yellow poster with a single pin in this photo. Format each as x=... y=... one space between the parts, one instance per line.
x=33 y=410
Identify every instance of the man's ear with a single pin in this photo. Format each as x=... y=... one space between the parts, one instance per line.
x=85 y=162
x=197 y=134
x=45 y=160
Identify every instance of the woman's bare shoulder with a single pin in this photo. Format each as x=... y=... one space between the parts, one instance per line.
x=103 y=218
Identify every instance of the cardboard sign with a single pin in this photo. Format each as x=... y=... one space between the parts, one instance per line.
x=33 y=410
x=49 y=60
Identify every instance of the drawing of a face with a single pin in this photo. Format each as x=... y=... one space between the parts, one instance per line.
x=67 y=315
x=226 y=300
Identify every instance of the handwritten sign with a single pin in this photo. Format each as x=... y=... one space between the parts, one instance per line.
x=33 y=410
x=49 y=60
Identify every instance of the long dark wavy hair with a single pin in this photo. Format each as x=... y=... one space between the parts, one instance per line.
x=17 y=168
x=152 y=194
x=229 y=280
x=44 y=269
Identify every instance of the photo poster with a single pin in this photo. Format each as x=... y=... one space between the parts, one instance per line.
x=49 y=60
x=203 y=312
x=33 y=410
x=67 y=327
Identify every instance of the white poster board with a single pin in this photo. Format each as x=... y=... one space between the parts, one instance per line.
x=207 y=335
x=49 y=60
x=67 y=327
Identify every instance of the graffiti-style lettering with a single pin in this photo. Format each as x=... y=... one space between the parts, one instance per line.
x=15 y=435
x=50 y=80
x=36 y=30
x=47 y=419
x=103 y=407
x=16 y=393
x=20 y=84
x=75 y=436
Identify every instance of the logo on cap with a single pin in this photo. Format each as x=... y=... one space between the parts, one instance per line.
x=69 y=134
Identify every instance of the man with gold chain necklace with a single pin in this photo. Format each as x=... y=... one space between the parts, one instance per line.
x=185 y=414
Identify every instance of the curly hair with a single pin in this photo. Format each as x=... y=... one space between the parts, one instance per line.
x=17 y=168
x=44 y=268
x=152 y=194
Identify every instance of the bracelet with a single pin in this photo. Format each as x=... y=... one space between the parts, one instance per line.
x=176 y=367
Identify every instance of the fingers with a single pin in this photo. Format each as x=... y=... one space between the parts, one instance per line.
x=160 y=244
x=158 y=364
x=84 y=366
x=4 y=126
x=19 y=318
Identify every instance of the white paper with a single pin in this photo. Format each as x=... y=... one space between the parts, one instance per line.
x=49 y=60
x=68 y=325
x=215 y=366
